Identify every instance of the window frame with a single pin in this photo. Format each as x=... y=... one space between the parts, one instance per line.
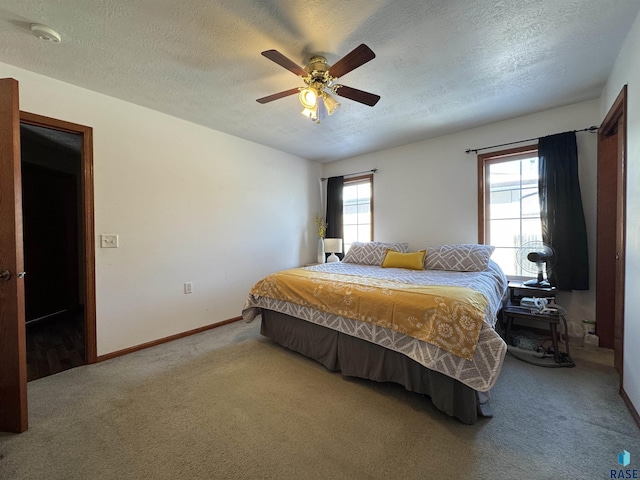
x=485 y=159
x=349 y=181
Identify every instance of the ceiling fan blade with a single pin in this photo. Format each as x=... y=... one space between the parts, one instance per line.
x=276 y=96
x=352 y=60
x=357 y=95
x=280 y=59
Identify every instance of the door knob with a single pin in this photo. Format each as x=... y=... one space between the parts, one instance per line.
x=6 y=275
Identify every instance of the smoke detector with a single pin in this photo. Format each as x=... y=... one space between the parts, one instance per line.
x=45 y=33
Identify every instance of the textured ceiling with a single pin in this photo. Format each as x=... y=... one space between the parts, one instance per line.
x=441 y=65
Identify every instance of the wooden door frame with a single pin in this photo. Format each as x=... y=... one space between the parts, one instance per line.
x=615 y=123
x=88 y=235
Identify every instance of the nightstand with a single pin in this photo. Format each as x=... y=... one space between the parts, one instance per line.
x=513 y=311
x=517 y=290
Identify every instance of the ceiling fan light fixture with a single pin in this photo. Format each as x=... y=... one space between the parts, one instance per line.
x=308 y=97
x=311 y=113
x=330 y=103
x=319 y=78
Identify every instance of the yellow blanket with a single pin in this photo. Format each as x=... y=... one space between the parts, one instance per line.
x=445 y=316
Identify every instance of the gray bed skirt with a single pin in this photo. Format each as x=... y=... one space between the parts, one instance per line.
x=355 y=357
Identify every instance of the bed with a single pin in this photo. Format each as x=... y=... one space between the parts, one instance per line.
x=430 y=330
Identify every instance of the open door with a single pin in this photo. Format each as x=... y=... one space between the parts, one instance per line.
x=13 y=363
x=611 y=202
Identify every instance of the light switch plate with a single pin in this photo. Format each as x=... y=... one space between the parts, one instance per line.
x=109 y=240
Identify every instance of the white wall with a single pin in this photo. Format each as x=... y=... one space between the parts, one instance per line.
x=189 y=204
x=426 y=193
x=627 y=71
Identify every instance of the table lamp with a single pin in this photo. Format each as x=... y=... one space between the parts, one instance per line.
x=333 y=246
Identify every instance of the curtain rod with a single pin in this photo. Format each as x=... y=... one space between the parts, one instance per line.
x=592 y=128
x=374 y=170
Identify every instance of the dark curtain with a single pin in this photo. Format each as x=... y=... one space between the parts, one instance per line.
x=334 y=208
x=563 y=225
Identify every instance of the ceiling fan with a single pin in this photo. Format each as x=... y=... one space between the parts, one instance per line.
x=320 y=78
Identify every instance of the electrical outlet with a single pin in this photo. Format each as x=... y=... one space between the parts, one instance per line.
x=188 y=287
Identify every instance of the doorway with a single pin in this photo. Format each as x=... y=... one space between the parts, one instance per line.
x=51 y=167
x=610 y=252
x=57 y=165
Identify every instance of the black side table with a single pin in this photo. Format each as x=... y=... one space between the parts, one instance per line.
x=517 y=290
x=511 y=312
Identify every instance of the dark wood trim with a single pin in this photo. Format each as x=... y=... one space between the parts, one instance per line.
x=482 y=200
x=89 y=247
x=483 y=181
x=88 y=219
x=609 y=124
x=632 y=409
x=170 y=338
x=611 y=248
x=606 y=226
x=359 y=178
x=621 y=239
x=13 y=350
x=54 y=123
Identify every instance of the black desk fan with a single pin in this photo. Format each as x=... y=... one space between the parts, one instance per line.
x=537 y=258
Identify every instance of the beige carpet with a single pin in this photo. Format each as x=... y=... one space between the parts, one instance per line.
x=229 y=404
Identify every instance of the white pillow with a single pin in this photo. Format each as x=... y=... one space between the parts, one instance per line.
x=461 y=258
x=371 y=253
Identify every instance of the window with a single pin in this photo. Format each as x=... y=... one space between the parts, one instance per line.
x=357 y=198
x=509 y=209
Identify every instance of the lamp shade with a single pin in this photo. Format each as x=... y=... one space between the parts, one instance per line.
x=312 y=112
x=333 y=245
x=308 y=97
x=330 y=103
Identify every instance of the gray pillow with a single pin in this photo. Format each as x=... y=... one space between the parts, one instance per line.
x=371 y=253
x=461 y=258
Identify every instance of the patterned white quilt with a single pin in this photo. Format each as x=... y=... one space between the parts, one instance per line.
x=479 y=373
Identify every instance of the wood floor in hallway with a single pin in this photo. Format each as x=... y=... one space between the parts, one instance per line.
x=55 y=344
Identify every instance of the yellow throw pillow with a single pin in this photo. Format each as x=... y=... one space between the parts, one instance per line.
x=412 y=260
